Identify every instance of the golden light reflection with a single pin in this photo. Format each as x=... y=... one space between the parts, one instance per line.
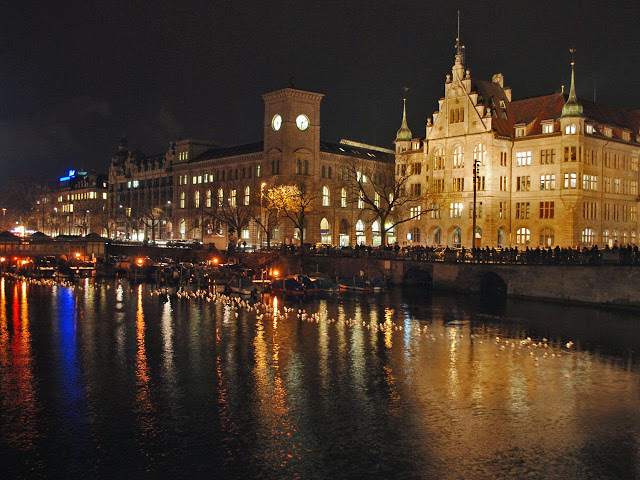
x=143 y=397
x=454 y=381
x=276 y=312
x=387 y=327
x=167 y=342
x=273 y=408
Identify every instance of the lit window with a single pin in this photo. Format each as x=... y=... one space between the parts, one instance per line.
x=570 y=129
x=547 y=128
x=183 y=197
x=343 y=198
x=220 y=197
x=325 y=196
x=104 y=195
x=247 y=195
x=589 y=128
x=232 y=200
x=589 y=236
x=458 y=157
x=455 y=210
x=196 y=200
x=479 y=154
x=523 y=236
x=523 y=158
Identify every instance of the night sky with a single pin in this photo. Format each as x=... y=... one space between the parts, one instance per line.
x=76 y=75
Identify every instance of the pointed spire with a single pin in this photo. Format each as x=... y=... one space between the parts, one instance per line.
x=404 y=134
x=459 y=46
x=572 y=107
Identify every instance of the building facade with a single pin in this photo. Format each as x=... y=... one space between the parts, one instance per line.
x=77 y=206
x=221 y=195
x=550 y=171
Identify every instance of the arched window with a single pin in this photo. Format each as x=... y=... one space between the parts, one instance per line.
x=605 y=236
x=414 y=235
x=343 y=231
x=437 y=236
x=438 y=159
x=247 y=195
x=343 y=198
x=360 y=237
x=501 y=237
x=325 y=196
x=456 y=238
x=325 y=231
x=220 y=196
x=306 y=167
x=479 y=154
x=299 y=167
x=547 y=237
x=523 y=236
x=589 y=236
x=196 y=200
x=233 y=199
x=452 y=117
x=183 y=228
x=183 y=199
x=633 y=237
x=614 y=237
x=458 y=157
x=323 y=171
x=208 y=204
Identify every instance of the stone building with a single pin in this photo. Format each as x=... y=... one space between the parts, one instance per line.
x=200 y=191
x=551 y=171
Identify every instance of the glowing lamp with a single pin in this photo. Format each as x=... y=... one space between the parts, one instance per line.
x=275 y=273
x=140 y=261
x=2 y=259
x=215 y=261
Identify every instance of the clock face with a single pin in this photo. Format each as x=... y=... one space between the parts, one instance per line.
x=302 y=121
x=276 y=122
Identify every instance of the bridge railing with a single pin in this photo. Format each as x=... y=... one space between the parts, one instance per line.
x=511 y=256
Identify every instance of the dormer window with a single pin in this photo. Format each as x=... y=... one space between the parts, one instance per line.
x=570 y=129
x=547 y=127
x=626 y=136
x=590 y=128
x=607 y=131
x=520 y=131
x=502 y=104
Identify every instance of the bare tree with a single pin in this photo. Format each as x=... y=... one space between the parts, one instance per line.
x=293 y=202
x=265 y=215
x=235 y=210
x=20 y=197
x=374 y=188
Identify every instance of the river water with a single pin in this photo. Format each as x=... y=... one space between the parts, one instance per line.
x=111 y=380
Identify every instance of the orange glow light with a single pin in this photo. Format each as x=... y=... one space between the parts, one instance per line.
x=2 y=259
x=275 y=273
x=140 y=261
x=215 y=261
x=77 y=254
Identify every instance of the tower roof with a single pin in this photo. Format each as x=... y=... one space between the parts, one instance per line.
x=572 y=108
x=404 y=134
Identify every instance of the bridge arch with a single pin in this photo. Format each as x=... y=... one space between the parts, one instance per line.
x=491 y=285
x=417 y=277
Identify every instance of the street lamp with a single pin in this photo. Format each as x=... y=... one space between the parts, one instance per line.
x=261 y=216
x=476 y=162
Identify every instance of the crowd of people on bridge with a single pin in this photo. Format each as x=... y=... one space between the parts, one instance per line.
x=625 y=255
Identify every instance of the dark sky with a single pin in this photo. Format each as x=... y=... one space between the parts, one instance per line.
x=76 y=74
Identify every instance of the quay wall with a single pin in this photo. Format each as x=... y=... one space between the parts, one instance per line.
x=596 y=284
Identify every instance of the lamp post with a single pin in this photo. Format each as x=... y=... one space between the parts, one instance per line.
x=261 y=216
x=475 y=188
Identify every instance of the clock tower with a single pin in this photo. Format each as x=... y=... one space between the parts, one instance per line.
x=292 y=132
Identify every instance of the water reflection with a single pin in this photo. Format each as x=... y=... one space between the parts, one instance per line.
x=383 y=386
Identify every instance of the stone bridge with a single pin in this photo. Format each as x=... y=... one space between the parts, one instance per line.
x=602 y=284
